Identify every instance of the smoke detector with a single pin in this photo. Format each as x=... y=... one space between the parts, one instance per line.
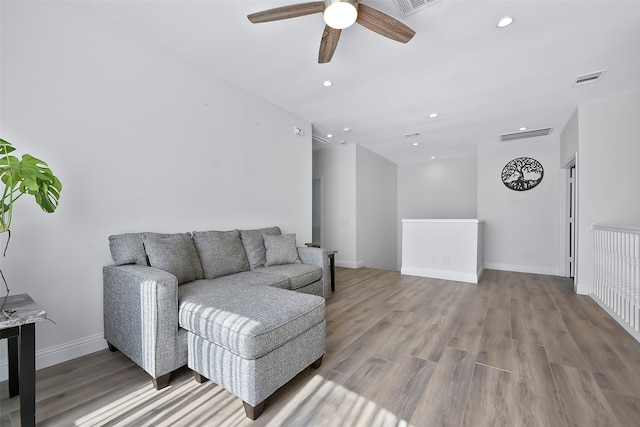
x=409 y=7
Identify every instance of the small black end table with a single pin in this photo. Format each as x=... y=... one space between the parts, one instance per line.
x=332 y=267
x=19 y=329
x=331 y=253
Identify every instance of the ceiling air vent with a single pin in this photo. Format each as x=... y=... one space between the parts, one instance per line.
x=316 y=138
x=588 y=78
x=525 y=134
x=407 y=7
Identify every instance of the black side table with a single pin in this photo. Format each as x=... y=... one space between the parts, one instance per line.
x=332 y=267
x=331 y=253
x=19 y=329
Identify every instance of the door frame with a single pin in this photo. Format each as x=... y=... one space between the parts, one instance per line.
x=318 y=209
x=567 y=201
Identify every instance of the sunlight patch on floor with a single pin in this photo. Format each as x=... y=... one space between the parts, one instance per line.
x=318 y=402
x=323 y=402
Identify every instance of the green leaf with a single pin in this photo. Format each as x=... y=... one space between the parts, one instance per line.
x=28 y=175
x=6 y=147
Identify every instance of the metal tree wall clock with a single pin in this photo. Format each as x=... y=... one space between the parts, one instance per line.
x=522 y=174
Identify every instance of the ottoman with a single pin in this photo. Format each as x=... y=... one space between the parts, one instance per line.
x=251 y=340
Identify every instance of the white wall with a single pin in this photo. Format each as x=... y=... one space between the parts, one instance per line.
x=336 y=164
x=376 y=210
x=140 y=142
x=437 y=189
x=569 y=140
x=609 y=149
x=521 y=227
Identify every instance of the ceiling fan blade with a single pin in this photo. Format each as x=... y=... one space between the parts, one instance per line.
x=286 y=12
x=328 y=44
x=383 y=24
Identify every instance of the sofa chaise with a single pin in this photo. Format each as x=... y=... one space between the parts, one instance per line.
x=243 y=308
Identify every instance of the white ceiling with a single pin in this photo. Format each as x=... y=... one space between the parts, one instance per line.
x=481 y=80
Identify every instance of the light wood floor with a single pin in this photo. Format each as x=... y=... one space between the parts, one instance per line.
x=515 y=350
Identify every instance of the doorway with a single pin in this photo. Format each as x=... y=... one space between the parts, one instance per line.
x=570 y=220
x=316 y=213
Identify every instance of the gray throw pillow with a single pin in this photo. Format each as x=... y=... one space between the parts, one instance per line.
x=281 y=250
x=174 y=254
x=128 y=248
x=253 y=243
x=221 y=252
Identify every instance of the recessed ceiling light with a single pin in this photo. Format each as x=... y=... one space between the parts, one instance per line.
x=505 y=22
x=415 y=144
x=433 y=115
x=433 y=157
x=329 y=135
x=523 y=128
x=347 y=130
x=327 y=83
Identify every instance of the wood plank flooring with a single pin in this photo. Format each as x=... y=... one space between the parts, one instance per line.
x=515 y=350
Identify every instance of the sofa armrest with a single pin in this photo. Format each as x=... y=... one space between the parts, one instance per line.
x=141 y=316
x=318 y=257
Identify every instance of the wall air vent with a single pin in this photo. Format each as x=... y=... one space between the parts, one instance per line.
x=588 y=78
x=525 y=134
x=408 y=7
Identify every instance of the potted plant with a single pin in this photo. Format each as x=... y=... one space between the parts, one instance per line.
x=30 y=176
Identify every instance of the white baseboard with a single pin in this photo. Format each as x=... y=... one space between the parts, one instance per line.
x=350 y=264
x=61 y=353
x=457 y=276
x=615 y=317
x=523 y=268
x=581 y=288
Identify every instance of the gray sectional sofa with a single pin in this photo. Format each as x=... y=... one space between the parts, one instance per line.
x=243 y=308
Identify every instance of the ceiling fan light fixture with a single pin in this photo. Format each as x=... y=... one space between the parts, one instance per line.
x=340 y=14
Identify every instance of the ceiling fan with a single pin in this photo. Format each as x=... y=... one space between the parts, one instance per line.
x=339 y=14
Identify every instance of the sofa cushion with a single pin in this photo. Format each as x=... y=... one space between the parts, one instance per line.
x=251 y=278
x=281 y=250
x=175 y=254
x=221 y=252
x=249 y=321
x=300 y=275
x=128 y=248
x=253 y=243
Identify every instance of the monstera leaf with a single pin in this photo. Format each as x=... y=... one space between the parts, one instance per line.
x=28 y=175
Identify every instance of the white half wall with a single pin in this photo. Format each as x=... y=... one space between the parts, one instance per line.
x=141 y=142
x=609 y=175
x=437 y=189
x=521 y=227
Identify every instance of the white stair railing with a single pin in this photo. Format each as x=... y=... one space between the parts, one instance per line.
x=616 y=284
